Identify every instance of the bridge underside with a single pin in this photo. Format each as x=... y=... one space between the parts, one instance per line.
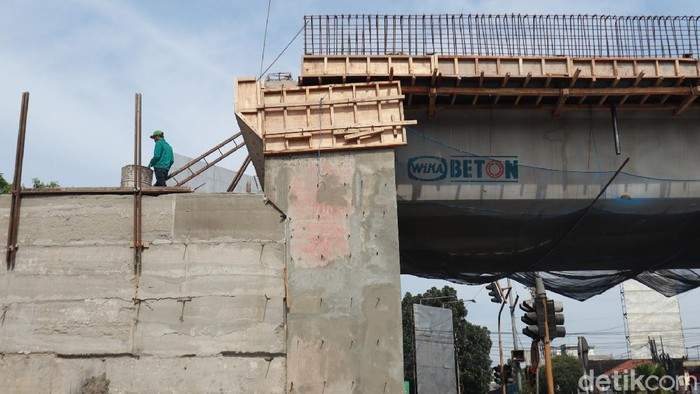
x=601 y=246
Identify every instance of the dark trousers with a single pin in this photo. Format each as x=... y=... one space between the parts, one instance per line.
x=161 y=175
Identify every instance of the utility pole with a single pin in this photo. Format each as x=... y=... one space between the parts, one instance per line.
x=497 y=296
x=516 y=366
x=542 y=297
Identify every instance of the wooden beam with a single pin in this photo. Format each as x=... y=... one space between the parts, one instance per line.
x=454 y=96
x=634 y=85
x=686 y=103
x=658 y=82
x=546 y=85
x=560 y=103
x=574 y=77
x=503 y=85
x=566 y=108
x=432 y=96
x=481 y=83
x=326 y=103
x=432 y=93
x=525 y=83
x=679 y=81
x=612 y=85
x=551 y=92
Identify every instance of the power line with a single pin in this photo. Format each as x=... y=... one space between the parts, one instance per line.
x=283 y=50
x=267 y=20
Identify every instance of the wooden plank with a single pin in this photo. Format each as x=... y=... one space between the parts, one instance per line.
x=549 y=92
x=314 y=130
x=327 y=103
x=564 y=95
x=686 y=103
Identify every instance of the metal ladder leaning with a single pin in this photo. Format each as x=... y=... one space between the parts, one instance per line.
x=222 y=155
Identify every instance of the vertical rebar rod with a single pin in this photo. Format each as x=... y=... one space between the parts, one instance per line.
x=16 y=201
x=138 y=244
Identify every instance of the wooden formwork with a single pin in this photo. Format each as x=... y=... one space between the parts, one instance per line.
x=560 y=83
x=289 y=119
x=386 y=66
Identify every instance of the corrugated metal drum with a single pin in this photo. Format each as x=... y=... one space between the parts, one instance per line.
x=128 y=176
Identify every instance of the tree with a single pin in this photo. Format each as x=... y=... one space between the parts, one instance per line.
x=567 y=372
x=38 y=184
x=5 y=188
x=656 y=370
x=473 y=342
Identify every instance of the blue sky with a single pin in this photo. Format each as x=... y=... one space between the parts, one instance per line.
x=83 y=60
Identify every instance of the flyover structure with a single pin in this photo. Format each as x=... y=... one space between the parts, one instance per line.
x=463 y=147
x=522 y=143
x=561 y=146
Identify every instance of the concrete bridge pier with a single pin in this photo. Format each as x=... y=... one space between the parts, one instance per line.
x=342 y=270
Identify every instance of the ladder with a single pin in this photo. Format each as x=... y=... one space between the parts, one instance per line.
x=228 y=143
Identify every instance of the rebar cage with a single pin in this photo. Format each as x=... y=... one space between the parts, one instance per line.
x=503 y=35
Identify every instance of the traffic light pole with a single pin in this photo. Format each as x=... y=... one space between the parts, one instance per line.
x=542 y=297
x=504 y=381
x=516 y=370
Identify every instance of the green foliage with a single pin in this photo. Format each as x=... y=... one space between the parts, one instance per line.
x=650 y=370
x=5 y=188
x=567 y=372
x=38 y=184
x=646 y=370
x=473 y=342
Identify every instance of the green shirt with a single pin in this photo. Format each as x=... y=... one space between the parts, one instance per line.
x=162 y=155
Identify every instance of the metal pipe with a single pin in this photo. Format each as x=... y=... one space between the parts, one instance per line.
x=616 y=134
x=16 y=201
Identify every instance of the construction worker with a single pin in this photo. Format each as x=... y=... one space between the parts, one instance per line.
x=162 y=158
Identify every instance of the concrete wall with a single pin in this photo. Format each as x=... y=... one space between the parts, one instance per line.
x=571 y=156
x=344 y=317
x=207 y=314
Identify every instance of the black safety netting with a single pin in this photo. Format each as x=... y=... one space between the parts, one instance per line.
x=583 y=232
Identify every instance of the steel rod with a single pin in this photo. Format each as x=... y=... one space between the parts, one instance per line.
x=138 y=244
x=16 y=201
x=239 y=174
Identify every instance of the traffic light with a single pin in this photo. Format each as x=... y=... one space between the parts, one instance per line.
x=555 y=319
x=507 y=374
x=495 y=292
x=497 y=374
x=534 y=318
x=532 y=377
